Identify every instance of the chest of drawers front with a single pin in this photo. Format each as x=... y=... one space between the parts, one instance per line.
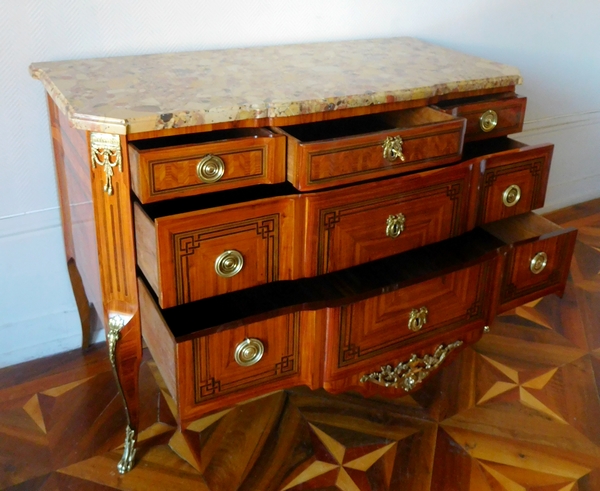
x=340 y=242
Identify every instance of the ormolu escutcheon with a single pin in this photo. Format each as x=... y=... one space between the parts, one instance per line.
x=395 y=225
x=392 y=148
x=538 y=262
x=229 y=263
x=417 y=319
x=511 y=195
x=249 y=352
x=210 y=169
x=488 y=120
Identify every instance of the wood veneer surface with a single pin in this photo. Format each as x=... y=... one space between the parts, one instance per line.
x=518 y=410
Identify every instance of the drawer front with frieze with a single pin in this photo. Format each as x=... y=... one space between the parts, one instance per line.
x=190 y=256
x=350 y=150
x=241 y=358
x=368 y=334
x=380 y=219
x=186 y=165
x=514 y=182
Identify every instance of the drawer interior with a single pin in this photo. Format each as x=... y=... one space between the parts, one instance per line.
x=479 y=149
x=216 y=199
x=199 y=138
x=348 y=127
x=504 y=97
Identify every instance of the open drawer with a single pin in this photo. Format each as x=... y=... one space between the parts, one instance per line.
x=489 y=116
x=538 y=260
x=513 y=177
x=221 y=350
x=342 y=151
x=447 y=310
x=186 y=165
x=190 y=255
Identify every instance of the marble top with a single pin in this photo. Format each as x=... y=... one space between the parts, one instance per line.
x=133 y=94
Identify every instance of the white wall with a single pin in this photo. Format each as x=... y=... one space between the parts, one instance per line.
x=554 y=43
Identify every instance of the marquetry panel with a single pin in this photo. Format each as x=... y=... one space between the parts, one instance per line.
x=520 y=284
x=528 y=169
x=71 y=155
x=216 y=372
x=367 y=331
x=190 y=245
x=351 y=228
x=168 y=167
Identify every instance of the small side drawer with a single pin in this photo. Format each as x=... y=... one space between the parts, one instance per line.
x=194 y=255
x=365 y=335
x=538 y=261
x=343 y=151
x=375 y=220
x=169 y=167
x=513 y=180
x=489 y=116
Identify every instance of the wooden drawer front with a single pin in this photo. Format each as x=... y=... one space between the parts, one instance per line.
x=215 y=370
x=351 y=226
x=507 y=111
x=528 y=168
x=190 y=245
x=185 y=170
x=429 y=138
x=366 y=333
x=520 y=284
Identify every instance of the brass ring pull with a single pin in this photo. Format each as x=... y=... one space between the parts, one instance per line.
x=511 y=195
x=210 y=169
x=538 y=262
x=417 y=319
x=229 y=263
x=488 y=120
x=410 y=374
x=392 y=148
x=249 y=352
x=395 y=225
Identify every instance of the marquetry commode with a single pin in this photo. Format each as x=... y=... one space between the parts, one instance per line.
x=342 y=215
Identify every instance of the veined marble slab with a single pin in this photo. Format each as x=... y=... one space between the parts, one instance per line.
x=133 y=94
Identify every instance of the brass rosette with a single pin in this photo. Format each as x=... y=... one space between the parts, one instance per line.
x=538 y=263
x=229 y=263
x=210 y=169
x=511 y=195
x=249 y=352
x=488 y=120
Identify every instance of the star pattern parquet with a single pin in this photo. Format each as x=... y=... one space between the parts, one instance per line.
x=518 y=411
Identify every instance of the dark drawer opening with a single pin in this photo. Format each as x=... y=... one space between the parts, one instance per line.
x=373 y=123
x=198 y=138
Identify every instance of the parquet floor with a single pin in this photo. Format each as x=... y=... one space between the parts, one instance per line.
x=518 y=411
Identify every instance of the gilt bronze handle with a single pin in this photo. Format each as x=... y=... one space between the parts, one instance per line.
x=395 y=225
x=392 y=148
